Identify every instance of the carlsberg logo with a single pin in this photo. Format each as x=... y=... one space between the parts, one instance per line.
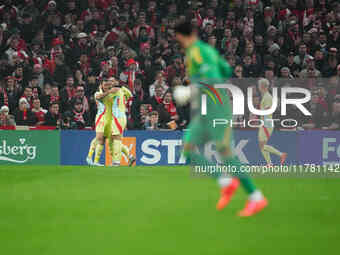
x=18 y=153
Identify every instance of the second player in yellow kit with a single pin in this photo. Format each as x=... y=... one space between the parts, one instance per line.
x=119 y=119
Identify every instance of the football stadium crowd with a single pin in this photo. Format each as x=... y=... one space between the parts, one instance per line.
x=54 y=54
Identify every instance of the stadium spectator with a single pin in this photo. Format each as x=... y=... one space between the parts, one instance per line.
x=28 y=95
x=79 y=114
x=170 y=106
x=79 y=96
x=53 y=117
x=293 y=67
x=143 y=116
x=285 y=73
x=67 y=94
x=329 y=68
x=19 y=76
x=310 y=70
x=153 y=123
x=6 y=120
x=39 y=112
x=157 y=98
x=59 y=70
x=159 y=82
x=175 y=69
x=23 y=115
x=41 y=75
x=129 y=75
x=9 y=94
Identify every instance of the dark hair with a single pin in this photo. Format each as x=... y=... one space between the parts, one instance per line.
x=53 y=103
x=166 y=92
x=77 y=102
x=184 y=28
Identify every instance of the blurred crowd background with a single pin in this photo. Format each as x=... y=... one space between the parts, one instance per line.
x=54 y=54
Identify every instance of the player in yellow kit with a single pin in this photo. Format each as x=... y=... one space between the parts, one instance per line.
x=266 y=131
x=119 y=122
x=104 y=98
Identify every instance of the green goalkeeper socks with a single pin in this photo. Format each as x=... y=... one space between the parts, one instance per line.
x=245 y=180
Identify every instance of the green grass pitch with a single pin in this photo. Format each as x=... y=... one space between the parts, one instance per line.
x=56 y=210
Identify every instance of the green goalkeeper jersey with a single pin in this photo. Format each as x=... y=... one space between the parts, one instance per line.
x=205 y=64
x=205 y=68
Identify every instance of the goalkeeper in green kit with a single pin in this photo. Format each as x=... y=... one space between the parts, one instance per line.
x=205 y=67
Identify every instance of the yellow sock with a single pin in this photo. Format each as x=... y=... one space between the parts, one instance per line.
x=271 y=149
x=117 y=151
x=99 y=150
x=266 y=156
x=125 y=150
x=92 y=147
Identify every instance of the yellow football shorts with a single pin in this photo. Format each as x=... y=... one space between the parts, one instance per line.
x=118 y=125
x=100 y=123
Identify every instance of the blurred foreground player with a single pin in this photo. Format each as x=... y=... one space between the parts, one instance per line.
x=204 y=65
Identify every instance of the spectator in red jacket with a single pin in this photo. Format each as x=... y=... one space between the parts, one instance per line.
x=39 y=112
x=169 y=105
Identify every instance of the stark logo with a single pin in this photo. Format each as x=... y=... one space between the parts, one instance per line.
x=130 y=142
x=19 y=153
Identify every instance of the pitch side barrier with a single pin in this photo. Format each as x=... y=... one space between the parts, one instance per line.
x=55 y=147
